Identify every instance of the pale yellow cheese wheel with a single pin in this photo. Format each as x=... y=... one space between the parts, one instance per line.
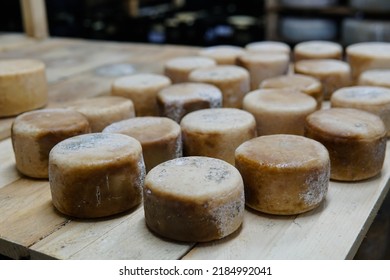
x=222 y=54
x=233 y=81
x=268 y=46
x=279 y=111
x=178 y=69
x=23 y=86
x=375 y=77
x=177 y=100
x=142 y=89
x=306 y=84
x=318 y=50
x=96 y=175
x=160 y=137
x=283 y=174
x=332 y=73
x=103 y=111
x=372 y=99
x=355 y=139
x=194 y=199
x=367 y=55
x=216 y=132
x=35 y=133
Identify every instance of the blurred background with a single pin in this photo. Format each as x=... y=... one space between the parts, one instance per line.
x=205 y=23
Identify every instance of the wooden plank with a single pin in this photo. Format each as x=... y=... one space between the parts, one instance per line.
x=332 y=231
x=8 y=172
x=34 y=18
x=125 y=237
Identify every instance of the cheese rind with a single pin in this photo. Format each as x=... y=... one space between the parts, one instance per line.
x=375 y=77
x=35 y=133
x=279 y=111
x=160 y=137
x=216 y=132
x=317 y=50
x=268 y=47
x=23 y=86
x=177 y=100
x=283 y=174
x=194 y=199
x=96 y=175
x=103 y=111
x=355 y=139
x=222 y=54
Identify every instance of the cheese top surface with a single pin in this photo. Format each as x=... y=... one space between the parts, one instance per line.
x=278 y=100
x=19 y=66
x=322 y=66
x=376 y=76
x=222 y=51
x=95 y=149
x=141 y=81
x=219 y=73
x=268 y=46
x=217 y=120
x=146 y=129
x=283 y=151
x=296 y=81
x=369 y=95
x=318 y=48
x=370 y=49
x=39 y=121
x=263 y=57
x=190 y=91
x=189 y=62
x=346 y=123
x=194 y=178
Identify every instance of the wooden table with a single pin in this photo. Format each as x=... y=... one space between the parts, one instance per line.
x=30 y=227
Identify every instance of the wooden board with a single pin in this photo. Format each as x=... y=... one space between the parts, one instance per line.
x=30 y=227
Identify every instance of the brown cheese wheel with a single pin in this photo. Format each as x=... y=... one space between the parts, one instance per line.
x=263 y=65
x=96 y=175
x=268 y=47
x=333 y=74
x=279 y=111
x=366 y=56
x=223 y=54
x=178 y=69
x=177 y=100
x=194 y=199
x=317 y=50
x=35 y=133
x=233 y=81
x=375 y=100
x=303 y=83
x=283 y=174
x=160 y=138
x=375 y=77
x=216 y=132
x=23 y=86
x=355 y=139
x=142 y=89
x=103 y=111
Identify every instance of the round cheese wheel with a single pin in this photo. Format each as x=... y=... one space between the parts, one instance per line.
x=303 y=83
x=96 y=175
x=233 y=81
x=375 y=77
x=216 y=132
x=283 y=174
x=279 y=111
x=366 y=56
x=178 y=69
x=194 y=199
x=160 y=138
x=371 y=99
x=332 y=73
x=263 y=65
x=142 y=89
x=35 y=133
x=177 y=100
x=23 y=86
x=103 y=111
x=355 y=139
x=222 y=54
x=318 y=50
x=268 y=47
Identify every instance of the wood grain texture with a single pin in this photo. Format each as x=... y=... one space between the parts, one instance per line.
x=34 y=18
